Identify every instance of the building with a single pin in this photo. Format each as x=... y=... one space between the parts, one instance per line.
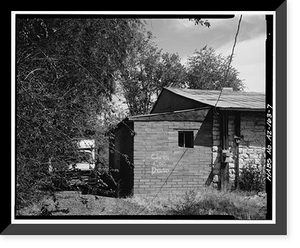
x=190 y=139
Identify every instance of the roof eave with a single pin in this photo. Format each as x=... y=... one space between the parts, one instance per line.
x=135 y=117
x=242 y=109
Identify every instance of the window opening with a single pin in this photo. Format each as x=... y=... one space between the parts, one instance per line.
x=186 y=139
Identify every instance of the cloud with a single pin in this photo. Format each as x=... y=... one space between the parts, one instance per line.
x=183 y=37
x=182 y=24
x=246 y=51
x=249 y=60
x=224 y=30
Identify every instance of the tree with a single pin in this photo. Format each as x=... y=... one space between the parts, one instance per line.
x=147 y=71
x=65 y=70
x=208 y=71
x=138 y=79
x=200 y=21
x=171 y=72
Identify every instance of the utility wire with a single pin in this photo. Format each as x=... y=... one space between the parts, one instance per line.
x=230 y=58
x=225 y=78
x=168 y=176
x=165 y=180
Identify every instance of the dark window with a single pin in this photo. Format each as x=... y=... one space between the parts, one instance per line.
x=186 y=139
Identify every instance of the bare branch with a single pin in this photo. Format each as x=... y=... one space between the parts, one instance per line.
x=37 y=69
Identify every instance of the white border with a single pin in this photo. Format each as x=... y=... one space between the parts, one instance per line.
x=13 y=111
x=20 y=221
x=223 y=222
x=274 y=144
x=144 y=12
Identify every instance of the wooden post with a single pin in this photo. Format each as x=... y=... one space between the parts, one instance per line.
x=237 y=127
x=224 y=172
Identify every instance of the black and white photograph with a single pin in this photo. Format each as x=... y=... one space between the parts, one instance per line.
x=146 y=118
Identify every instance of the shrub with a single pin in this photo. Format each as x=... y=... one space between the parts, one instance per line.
x=65 y=70
x=213 y=202
x=252 y=177
x=187 y=205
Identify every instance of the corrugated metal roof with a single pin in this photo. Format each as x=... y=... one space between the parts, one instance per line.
x=228 y=99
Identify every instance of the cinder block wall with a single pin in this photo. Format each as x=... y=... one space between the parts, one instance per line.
x=156 y=152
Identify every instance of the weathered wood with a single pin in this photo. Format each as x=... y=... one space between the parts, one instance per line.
x=237 y=127
x=169 y=101
x=209 y=178
x=224 y=177
x=189 y=115
x=224 y=172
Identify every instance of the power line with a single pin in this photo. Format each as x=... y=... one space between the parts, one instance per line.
x=234 y=44
x=165 y=180
x=225 y=78
x=168 y=176
x=230 y=58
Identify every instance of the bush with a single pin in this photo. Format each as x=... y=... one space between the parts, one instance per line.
x=252 y=177
x=213 y=202
x=187 y=205
x=65 y=70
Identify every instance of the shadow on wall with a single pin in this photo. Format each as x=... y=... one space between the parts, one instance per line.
x=204 y=134
x=121 y=158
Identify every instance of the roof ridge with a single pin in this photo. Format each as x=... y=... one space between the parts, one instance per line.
x=228 y=99
x=228 y=92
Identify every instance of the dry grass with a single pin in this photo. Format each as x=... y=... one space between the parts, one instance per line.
x=205 y=202
x=208 y=201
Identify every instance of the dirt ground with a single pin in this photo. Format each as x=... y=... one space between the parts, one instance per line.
x=205 y=202
x=75 y=203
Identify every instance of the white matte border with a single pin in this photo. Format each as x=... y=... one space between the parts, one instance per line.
x=113 y=221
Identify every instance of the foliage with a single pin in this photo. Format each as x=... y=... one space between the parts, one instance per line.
x=171 y=71
x=66 y=74
x=187 y=205
x=65 y=70
x=147 y=71
x=200 y=21
x=213 y=202
x=137 y=79
x=202 y=202
x=252 y=177
x=47 y=210
x=208 y=71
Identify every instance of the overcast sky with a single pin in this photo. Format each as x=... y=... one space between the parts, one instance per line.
x=184 y=37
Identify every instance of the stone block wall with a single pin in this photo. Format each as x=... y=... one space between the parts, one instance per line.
x=251 y=148
x=156 y=153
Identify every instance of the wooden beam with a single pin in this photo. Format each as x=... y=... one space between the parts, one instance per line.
x=237 y=127
x=224 y=171
x=195 y=115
